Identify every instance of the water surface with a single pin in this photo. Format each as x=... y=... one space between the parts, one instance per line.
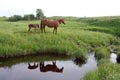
x=48 y=70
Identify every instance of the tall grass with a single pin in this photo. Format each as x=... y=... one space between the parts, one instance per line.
x=102 y=53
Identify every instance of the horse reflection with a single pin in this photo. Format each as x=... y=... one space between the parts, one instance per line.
x=50 y=67
x=34 y=66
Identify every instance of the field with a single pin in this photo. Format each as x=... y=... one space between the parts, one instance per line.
x=78 y=37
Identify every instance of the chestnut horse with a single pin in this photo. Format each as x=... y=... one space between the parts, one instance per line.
x=33 y=26
x=51 y=24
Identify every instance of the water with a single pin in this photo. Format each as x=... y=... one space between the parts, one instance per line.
x=113 y=57
x=48 y=70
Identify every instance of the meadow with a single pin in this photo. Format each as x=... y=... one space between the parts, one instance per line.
x=78 y=37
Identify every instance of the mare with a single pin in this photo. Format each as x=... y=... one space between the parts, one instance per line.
x=51 y=24
x=33 y=26
x=50 y=67
x=34 y=66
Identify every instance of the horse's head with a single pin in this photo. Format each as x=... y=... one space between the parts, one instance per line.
x=61 y=21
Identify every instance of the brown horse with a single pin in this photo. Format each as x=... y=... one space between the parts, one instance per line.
x=33 y=26
x=52 y=24
x=50 y=67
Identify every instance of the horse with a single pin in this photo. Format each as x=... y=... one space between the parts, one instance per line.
x=51 y=24
x=33 y=26
x=50 y=67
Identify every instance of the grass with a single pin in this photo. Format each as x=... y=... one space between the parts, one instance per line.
x=15 y=40
x=104 y=24
x=106 y=71
x=102 y=53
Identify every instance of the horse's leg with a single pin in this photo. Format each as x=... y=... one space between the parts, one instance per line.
x=56 y=30
x=29 y=29
x=41 y=28
x=35 y=29
x=54 y=63
x=53 y=30
x=44 y=28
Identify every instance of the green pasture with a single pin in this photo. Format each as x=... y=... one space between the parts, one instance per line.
x=71 y=39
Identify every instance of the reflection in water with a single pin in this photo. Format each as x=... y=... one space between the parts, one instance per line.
x=50 y=67
x=68 y=70
x=79 y=61
x=34 y=66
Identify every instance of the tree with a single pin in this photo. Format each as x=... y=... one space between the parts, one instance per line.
x=15 y=18
x=29 y=17
x=39 y=14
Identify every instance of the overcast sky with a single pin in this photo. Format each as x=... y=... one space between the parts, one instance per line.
x=78 y=8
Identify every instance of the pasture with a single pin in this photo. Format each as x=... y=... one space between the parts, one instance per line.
x=71 y=38
x=78 y=37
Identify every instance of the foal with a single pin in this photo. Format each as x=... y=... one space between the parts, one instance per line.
x=33 y=26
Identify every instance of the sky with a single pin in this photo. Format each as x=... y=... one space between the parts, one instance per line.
x=77 y=8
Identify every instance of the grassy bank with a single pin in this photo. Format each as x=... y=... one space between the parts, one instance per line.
x=106 y=71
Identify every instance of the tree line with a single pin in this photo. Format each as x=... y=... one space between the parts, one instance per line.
x=39 y=15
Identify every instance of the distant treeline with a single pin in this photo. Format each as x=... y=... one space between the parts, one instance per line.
x=39 y=15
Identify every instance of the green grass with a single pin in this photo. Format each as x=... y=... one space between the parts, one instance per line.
x=15 y=40
x=71 y=38
x=102 y=53
x=103 y=24
x=106 y=71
